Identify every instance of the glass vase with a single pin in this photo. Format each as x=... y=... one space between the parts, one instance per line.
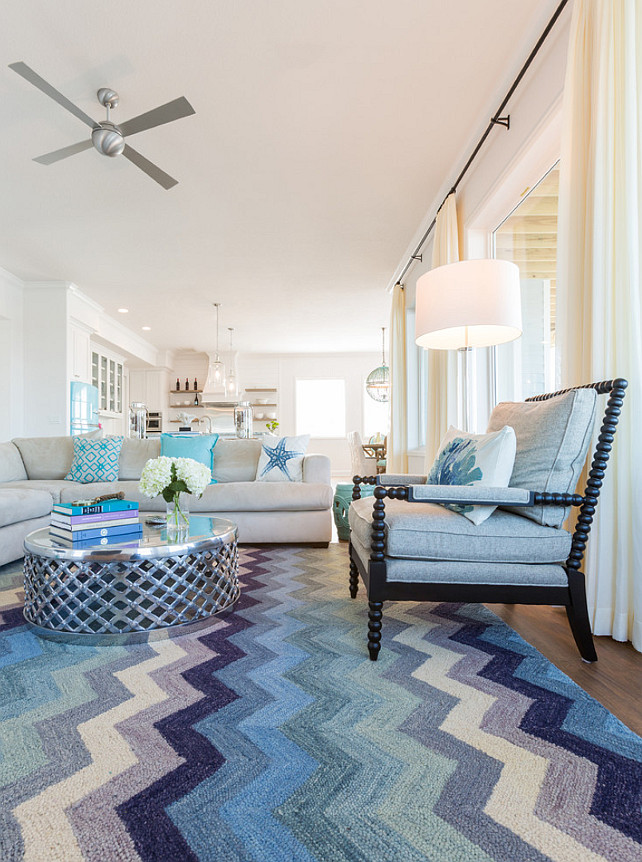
x=177 y=516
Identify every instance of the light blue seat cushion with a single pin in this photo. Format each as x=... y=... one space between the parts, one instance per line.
x=427 y=531
x=95 y=460
x=199 y=447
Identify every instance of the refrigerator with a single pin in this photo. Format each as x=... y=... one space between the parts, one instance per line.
x=83 y=408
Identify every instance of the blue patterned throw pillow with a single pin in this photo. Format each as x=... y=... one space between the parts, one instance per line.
x=474 y=459
x=281 y=459
x=95 y=460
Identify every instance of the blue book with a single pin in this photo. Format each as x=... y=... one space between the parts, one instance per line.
x=97 y=533
x=82 y=507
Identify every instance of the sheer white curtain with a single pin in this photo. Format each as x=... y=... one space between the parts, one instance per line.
x=397 y=454
x=442 y=364
x=599 y=278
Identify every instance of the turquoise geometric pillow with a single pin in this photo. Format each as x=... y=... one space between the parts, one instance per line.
x=199 y=447
x=474 y=459
x=95 y=460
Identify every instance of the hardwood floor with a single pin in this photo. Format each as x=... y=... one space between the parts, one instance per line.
x=615 y=679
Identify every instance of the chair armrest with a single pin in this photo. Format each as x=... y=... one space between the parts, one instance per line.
x=480 y=495
x=396 y=479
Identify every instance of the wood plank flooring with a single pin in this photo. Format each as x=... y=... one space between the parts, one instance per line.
x=615 y=679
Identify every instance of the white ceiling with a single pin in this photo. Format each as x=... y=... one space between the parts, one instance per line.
x=324 y=131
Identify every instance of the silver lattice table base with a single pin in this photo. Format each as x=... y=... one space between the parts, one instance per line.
x=128 y=595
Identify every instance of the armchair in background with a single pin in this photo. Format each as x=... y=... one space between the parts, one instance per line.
x=406 y=547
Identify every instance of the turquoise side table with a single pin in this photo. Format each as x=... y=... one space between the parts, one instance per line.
x=341 y=504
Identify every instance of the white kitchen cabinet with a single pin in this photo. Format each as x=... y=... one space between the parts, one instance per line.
x=79 y=353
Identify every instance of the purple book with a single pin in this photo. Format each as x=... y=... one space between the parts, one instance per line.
x=96 y=517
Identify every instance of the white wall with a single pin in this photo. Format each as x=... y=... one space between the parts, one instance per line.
x=11 y=356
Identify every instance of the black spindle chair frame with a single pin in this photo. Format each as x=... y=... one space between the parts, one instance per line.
x=572 y=596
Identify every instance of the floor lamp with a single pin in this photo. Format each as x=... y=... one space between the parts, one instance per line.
x=459 y=306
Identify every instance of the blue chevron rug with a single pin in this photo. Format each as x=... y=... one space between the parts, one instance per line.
x=270 y=736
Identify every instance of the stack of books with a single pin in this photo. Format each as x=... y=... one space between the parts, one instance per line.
x=81 y=525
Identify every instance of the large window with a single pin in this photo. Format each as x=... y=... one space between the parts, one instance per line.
x=376 y=416
x=528 y=237
x=321 y=407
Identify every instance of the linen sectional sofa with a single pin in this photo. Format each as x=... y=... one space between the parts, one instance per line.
x=32 y=471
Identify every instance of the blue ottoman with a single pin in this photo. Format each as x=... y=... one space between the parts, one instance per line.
x=341 y=504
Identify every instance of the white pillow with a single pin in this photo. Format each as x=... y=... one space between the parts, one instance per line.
x=281 y=459
x=474 y=459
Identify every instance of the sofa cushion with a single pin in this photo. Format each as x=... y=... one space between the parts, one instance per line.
x=423 y=571
x=474 y=459
x=427 y=531
x=135 y=454
x=553 y=437
x=226 y=497
x=11 y=467
x=281 y=458
x=23 y=504
x=199 y=447
x=236 y=460
x=48 y=457
x=53 y=487
x=95 y=460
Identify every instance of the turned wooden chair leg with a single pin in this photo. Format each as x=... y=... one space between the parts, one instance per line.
x=375 y=613
x=577 y=613
x=354 y=579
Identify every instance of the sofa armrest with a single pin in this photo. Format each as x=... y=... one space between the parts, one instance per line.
x=316 y=468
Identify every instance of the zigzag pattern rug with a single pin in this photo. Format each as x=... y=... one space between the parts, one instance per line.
x=270 y=736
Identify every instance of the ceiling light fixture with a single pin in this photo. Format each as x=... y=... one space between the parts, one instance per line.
x=215 y=383
x=378 y=381
x=231 y=387
x=123 y=311
x=146 y=328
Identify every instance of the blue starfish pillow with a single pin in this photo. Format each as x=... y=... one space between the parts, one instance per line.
x=281 y=459
x=474 y=459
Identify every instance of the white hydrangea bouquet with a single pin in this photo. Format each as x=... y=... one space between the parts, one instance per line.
x=172 y=477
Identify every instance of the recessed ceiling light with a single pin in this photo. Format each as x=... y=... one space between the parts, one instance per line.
x=146 y=328
x=123 y=310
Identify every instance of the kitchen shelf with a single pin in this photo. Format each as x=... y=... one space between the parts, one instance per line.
x=251 y=389
x=183 y=391
x=264 y=405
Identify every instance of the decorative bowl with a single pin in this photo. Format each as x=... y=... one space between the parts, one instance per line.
x=262 y=400
x=258 y=415
x=271 y=415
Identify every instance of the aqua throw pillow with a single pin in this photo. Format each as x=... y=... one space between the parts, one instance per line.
x=281 y=459
x=474 y=459
x=200 y=447
x=95 y=460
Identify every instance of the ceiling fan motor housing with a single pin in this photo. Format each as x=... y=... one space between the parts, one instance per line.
x=108 y=139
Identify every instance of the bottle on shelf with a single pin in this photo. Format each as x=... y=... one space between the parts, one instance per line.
x=195 y=384
x=186 y=383
x=178 y=384
x=196 y=400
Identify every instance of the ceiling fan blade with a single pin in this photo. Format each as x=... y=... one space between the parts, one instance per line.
x=65 y=152
x=149 y=167
x=29 y=75
x=157 y=117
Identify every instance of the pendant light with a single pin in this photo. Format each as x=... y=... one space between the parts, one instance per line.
x=231 y=386
x=215 y=383
x=378 y=381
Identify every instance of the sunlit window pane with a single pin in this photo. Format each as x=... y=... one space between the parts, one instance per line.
x=321 y=408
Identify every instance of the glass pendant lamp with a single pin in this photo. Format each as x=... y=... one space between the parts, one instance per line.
x=378 y=381
x=231 y=386
x=215 y=383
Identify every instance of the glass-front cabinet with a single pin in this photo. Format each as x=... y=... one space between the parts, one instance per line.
x=107 y=377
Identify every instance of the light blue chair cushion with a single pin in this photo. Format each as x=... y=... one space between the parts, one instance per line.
x=199 y=447
x=95 y=460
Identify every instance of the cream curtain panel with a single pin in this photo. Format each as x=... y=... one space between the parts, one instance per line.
x=442 y=364
x=599 y=278
x=397 y=452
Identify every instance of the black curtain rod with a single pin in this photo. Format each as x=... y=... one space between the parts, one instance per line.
x=497 y=120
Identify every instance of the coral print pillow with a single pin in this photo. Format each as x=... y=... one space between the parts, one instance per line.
x=281 y=459
x=474 y=459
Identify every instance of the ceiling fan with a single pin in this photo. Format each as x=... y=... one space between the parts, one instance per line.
x=107 y=137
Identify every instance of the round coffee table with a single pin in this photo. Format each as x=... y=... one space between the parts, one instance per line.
x=126 y=593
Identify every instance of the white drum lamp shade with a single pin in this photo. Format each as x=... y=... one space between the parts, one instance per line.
x=472 y=303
